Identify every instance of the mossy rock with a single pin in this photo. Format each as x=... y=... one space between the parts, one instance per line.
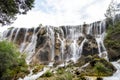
x=47 y=74
x=99 y=67
x=38 y=68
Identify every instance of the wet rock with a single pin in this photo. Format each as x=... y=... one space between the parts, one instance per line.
x=57 y=44
x=99 y=79
x=80 y=39
x=44 y=55
x=21 y=35
x=85 y=27
x=42 y=31
x=57 y=51
x=90 y=48
x=41 y=40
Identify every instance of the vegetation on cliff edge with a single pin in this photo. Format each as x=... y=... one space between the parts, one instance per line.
x=11 y=65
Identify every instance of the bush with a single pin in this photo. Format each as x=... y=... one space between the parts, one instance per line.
x=112 y=41
x=47 y=74
x=38 y=68
x=60 y=71
x=10 y=63
x=65 y=76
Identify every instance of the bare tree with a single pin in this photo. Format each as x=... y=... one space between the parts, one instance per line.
x=112 y=11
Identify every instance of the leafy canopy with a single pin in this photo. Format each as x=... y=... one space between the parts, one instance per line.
x=10 y=63
x=9 y=9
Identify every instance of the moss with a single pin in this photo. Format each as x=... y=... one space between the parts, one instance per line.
x=98 y=67
x=65 y=76
x=38 y=68
x=80 y=62
x=60 y=71
x=47 y=74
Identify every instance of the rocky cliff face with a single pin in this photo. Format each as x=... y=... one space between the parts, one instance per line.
x=57 y=44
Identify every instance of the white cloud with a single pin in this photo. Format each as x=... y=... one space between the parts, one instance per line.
x=63 y=12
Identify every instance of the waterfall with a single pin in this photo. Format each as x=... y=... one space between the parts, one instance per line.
x=72 y=40
x=16 y=34
x=35 y=76
x=30 y=49
x=4 y=34
x=22 y=46
x=11 y=34
x=50 y=32
x=61 y=47
x=74 y=48
x=100 y=38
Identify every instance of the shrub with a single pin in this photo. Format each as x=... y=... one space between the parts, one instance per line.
x=60 y=71
x=65 y=76
x=48 y=74
x=100 y=69
x=38 y=68
x=10 y=63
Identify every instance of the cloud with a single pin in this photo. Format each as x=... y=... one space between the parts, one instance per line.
x=63 y=12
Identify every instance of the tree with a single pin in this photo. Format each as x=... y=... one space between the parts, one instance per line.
x=9 y=9
x=113 y=9
x=112 y=13
x=10 y=63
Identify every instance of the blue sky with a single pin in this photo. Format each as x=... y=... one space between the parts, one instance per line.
x=63 y=12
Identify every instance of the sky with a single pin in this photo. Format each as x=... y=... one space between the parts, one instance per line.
x=62 y=12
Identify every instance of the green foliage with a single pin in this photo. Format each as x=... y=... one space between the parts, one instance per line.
x=48 y=74
x=38 y=68
x=100 y=69
x=9 y=9
x=60 y=71
x=112 y=41
x=65 y=76
x=10 y=63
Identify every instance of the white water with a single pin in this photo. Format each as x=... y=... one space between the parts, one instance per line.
x=100 y=38
x=73 y=34
x=50 y=33
x=16 y=34
x=35 y=76
x=11 y=34
x=22 y=46
x=74 y=48
x=4 y=35
x=61 y=47
x=30 y=49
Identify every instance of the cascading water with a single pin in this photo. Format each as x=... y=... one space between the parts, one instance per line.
x=50 y=33
x=11 y=34
x=35 y=76
x=16 y=34
x=67 y=33
x=69 y=36
x=74 y=34
x=4 y=35
x=30 y=49
x=61 y=47
x=100 y=38
x=22 y=46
